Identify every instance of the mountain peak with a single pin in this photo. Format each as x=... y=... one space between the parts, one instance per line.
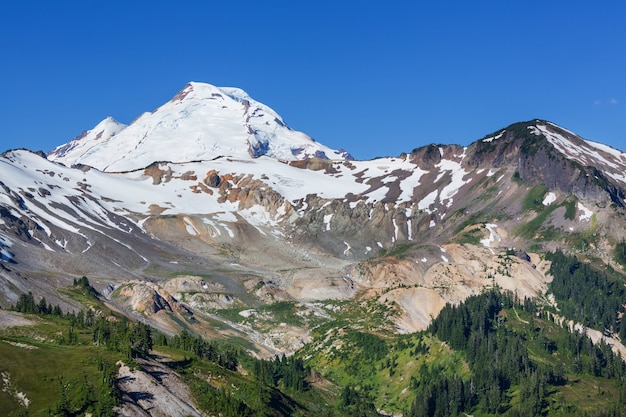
x=201 y=122
x=83 y=143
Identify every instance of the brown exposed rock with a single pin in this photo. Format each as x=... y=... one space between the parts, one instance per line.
x=250 y=192
x=189 y=176
x=156 y=209
x=201 y=188
x=315 y=164
x=212 y=179
x=183 y=93
x=148 y=298
x=158 y=174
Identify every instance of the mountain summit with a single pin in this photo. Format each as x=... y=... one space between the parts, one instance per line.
x=201 y=122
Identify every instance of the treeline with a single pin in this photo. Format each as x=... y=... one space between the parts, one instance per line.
x=26 y=304
x=220 y=353
x=500 y=364
x=133 y=339
x=587 y=295
x=282 y=372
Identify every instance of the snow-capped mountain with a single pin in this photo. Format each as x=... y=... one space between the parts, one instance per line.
x=215 y=183
x=202 y=122
x=335 y=202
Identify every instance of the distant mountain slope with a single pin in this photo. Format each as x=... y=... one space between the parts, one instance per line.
x=202 y=122
x=546 y=153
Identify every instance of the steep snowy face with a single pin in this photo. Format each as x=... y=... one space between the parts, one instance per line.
x=88 y=140
x=202 y=122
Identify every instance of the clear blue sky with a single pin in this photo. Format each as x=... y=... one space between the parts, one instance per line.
x=376 y=78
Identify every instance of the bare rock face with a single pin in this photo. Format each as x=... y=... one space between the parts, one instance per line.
x=249 y=192
x=357 y=230
x=190 y=283
x=422 y=284
x=417 y=307
x=154 y=390
x=319 y=287
x=200 y=293
x=429 y=156
x=542 y=165
x=20 y=228
x=159 y=172
x=148 y=298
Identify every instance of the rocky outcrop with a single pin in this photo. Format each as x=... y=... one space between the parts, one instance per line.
x=153 y=389
x=148 y=298
x=200 y=293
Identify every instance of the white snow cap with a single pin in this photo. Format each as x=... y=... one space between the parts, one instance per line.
x=201 y=122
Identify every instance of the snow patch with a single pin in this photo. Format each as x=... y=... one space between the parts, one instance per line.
x=5 y=254
x=493 y=235
x=456 y=181
x=21 y=345
x=549 y=199
x=492 y=138
x=327 y=219
x=190 y=227
x=409 y=229
x=586 y=213
x=396 y=229
x=605 y=148
x=426 y=202
x=586 y=152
